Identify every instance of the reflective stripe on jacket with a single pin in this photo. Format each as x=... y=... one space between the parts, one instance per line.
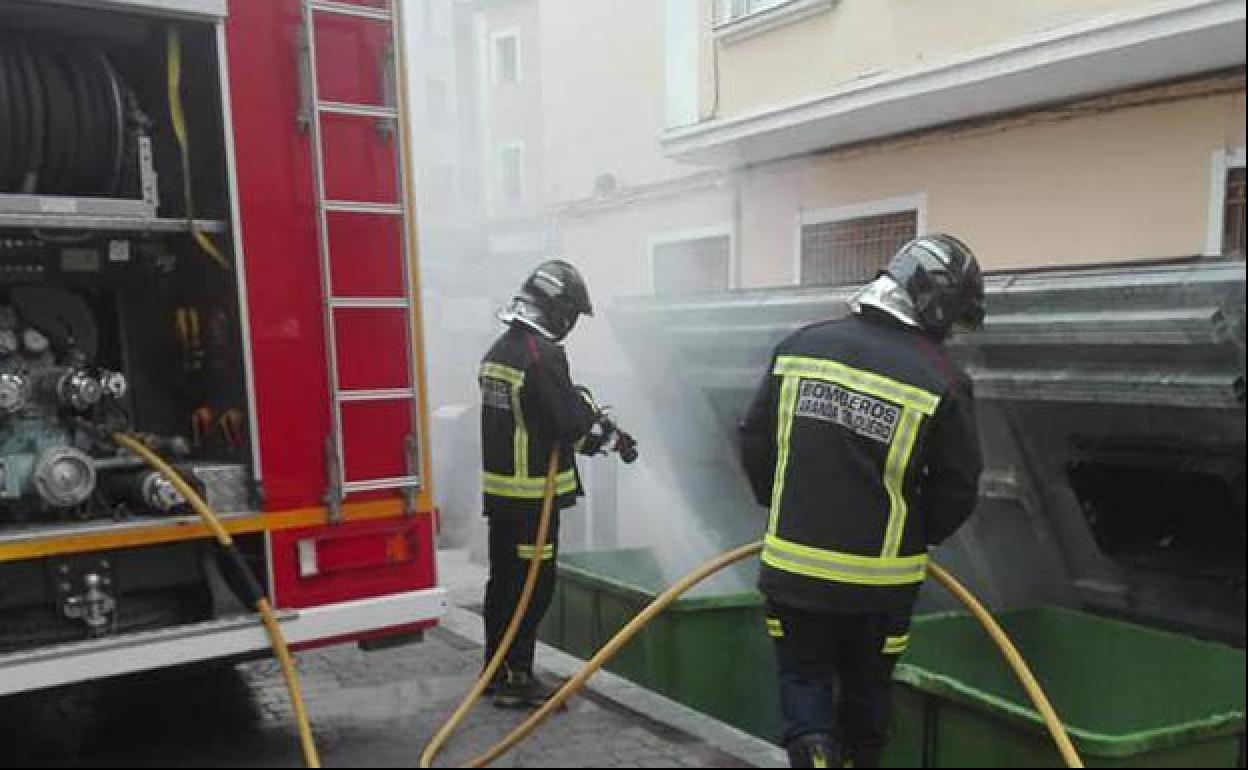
x=862 y=443
x=527 y=402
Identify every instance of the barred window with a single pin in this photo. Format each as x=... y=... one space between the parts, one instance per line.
x=693 y=265
x=1233 y=219
x=729 y=10
x=853 y=251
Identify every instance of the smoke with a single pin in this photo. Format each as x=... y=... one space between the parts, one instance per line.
x=538 y=135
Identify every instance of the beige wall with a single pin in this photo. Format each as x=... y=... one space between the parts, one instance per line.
x=613 y=244
x=859 y=38
x=603 y=92
x=512 y=112
x=1127 y=185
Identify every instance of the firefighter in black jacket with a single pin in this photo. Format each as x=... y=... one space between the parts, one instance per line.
x=862 y=441
x=528 y=404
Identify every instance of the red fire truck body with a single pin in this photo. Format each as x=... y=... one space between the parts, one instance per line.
x=325 y=436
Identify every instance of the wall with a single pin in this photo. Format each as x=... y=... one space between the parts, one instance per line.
x=1126 y=185
x=859 y=38
x=603 y=94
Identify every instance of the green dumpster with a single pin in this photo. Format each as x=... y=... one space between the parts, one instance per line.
x=1130 y=696
x=709 y=651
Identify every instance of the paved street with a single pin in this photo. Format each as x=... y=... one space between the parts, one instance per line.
x=368 y=709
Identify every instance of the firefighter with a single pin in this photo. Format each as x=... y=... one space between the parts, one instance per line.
x=528 y=404
x=862 y=442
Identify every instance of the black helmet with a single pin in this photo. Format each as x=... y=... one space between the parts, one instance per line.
x=944 y=282
x=551 y=299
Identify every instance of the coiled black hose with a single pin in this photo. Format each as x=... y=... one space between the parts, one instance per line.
x=63 y=119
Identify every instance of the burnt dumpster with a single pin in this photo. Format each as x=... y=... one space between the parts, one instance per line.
x=1111 y=406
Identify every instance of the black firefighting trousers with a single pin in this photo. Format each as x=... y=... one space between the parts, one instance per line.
x=512 y=536
x=835 y=674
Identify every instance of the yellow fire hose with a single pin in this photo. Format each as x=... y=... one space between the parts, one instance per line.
x=1015 y=659
x=1007 y=648
x=513 y=627
x=177 y=117
x=262 y=606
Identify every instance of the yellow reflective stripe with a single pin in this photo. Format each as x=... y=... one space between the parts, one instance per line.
x=503 y=372
x=774 y=628
x=527 y=488
x=527 y=551
x=520 y=446
x=895 y=645
x=895 y=478
x=843 y=567
x=868 y=382
x=520 y=437
x=784 y=431
x=520 y=484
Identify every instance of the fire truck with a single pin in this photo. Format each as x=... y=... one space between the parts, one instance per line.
x=206 y=241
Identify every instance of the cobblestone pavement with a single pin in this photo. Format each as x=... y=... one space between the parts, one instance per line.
x=368 y=709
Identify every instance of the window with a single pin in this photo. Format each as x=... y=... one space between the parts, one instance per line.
x=692 y=265
x=730 y=10
x=507 y=59
x=1233 y=214
x=1226 y=205
x=511 y=173
x=437 y=102
x=852 y=250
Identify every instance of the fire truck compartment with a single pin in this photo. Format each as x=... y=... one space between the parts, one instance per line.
x=116 y=315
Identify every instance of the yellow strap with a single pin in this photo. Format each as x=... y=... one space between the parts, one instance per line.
x=502 y=372
x=178 y=118
x=895 y=468
x=896 y=645
x=837 y=567
x=784 y=432
x=527 y=551
x=527 y=488
x=858 y=379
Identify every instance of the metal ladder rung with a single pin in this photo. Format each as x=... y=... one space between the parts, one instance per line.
x=358 y=110
x=398 y=303
x=375 y=485
x=380 y=394
x=363 y=207
x=314 y=112
x=359 y=11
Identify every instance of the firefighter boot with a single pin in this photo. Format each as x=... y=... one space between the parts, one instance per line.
x=815 y=750
x=522 y=689
x=492 y=686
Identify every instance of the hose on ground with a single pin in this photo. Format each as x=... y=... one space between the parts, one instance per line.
x=255 y=593
x=660 y=603
x=513 y=627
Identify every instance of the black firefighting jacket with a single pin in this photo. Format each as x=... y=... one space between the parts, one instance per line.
x=528 y=402
x=862 y=441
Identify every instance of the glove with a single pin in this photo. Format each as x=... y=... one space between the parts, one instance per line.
x=626 y=446
x=600 y=434
x=604 y=435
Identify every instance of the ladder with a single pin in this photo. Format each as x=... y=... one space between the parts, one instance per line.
x=397 y=396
